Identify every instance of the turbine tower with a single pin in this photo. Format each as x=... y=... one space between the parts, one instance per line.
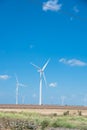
x=17 y=88
x=62 y=100
x=42 y=76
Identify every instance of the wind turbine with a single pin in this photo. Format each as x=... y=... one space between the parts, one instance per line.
x=63 y=99
x=42 y=76
x=17 y=88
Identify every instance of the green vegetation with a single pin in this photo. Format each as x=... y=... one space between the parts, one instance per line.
x=79 y=113
x=35 y=121
x=66 y=113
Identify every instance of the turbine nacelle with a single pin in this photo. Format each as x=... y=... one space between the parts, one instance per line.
x=40 y=71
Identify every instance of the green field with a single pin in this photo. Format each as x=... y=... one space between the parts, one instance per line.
x=35 y=121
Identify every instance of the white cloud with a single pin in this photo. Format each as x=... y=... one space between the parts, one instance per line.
x=71 y=18
x=52 y=5
x=73 y=62
x=53 y=84
x=31 y=46
x=76 y=9
x=4 y=77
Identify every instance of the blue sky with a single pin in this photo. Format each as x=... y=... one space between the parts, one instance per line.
x=34 y=31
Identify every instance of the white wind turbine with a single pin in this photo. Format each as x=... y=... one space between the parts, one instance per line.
x=42 y=76
x=63 y=99
x=17 y=88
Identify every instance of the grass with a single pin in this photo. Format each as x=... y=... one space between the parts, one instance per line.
x=44 y=121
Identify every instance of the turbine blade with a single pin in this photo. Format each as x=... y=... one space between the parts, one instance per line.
x=16 y=78
x=45 y=79
x=35 y=66
x=45 y=65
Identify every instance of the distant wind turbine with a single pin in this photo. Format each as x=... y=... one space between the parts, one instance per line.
x=23 y=98
x=42 y=76
x=63 y=99
x=17 y=88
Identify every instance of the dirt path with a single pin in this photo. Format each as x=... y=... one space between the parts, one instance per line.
x=61 y=129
